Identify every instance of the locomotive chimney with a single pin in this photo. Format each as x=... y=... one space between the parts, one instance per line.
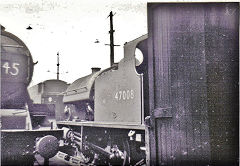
x=95 y=69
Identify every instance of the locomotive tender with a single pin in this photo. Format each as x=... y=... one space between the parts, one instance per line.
x=19 y=142
x=167 y=110
x=47 y=97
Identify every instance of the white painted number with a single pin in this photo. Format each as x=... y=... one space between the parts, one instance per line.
x=6 y=67
x=16 y=71
x=11 y=69
x=124 y=95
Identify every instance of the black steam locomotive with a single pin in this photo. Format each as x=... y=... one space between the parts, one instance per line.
x=19 y=142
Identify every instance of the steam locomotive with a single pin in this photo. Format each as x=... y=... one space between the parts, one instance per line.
x=19 y=142
x=106 y=126
x=166 y=110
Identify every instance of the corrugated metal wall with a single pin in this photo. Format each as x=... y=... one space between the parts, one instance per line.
x=193 y=54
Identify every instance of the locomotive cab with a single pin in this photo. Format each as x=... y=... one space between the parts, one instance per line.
x=47 y=99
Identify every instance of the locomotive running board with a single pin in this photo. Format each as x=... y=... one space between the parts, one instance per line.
x=104 y=124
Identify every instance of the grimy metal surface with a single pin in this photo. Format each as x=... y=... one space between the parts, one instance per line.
x=16 y=70
x=118 y=93
x=193 y=83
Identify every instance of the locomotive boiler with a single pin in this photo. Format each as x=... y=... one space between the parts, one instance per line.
x=19 y=143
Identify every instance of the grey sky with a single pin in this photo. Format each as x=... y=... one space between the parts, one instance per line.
x=71 y=27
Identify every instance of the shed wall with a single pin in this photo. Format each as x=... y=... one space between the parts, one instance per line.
x=193 y=69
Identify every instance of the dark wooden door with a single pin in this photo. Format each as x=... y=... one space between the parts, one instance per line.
x=179 y=65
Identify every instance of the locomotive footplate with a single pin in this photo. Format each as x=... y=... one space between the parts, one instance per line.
x=118 y=125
